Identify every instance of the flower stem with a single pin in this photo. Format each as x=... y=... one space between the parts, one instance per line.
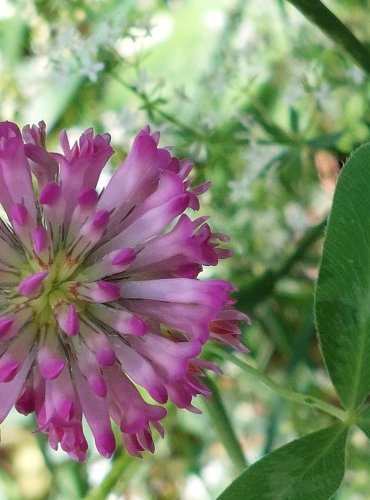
x=284 y=393
x=258 y=289
x=153 y=106
x=111 y=479
x=316 y=12
x=220 y=419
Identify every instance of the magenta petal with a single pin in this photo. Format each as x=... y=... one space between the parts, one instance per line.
x=96 y=412
x=100 y=291
x=81 y=165
x=51 y=368
x=43 y=165
x=26 y=402
x=123 y=256
x=39 y=239
x=141 y=371
x=10 y=325
x=19 y=214
x=137 y=327
x=31 y=284
x=72 y=324
x=65 y=409
x=112 y=263
x=49 y=193
x=172 y=358
x=105 y=357
x=9 y=370
x=15 y=174
x=135 y=177
x=120 y=320
x=69 y=321
x=105 y=443
x=9 y=392
x=5 y=324
x=88 y=198
x=184 y=290
x=98 y=385
x=101 y=219
x=107 y=291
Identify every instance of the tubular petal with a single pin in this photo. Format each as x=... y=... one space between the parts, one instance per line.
x=32 y=284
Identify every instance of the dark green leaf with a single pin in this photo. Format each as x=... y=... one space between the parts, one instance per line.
x=294 y=120
x=309 y=468
x=324 y=141
x=363 y=421
x=343 y=288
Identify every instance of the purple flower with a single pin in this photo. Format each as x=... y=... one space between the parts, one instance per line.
x=100 y=292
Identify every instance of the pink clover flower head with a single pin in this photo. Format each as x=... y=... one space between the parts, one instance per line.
x=100 y=297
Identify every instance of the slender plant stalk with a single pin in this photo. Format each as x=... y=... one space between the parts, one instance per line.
x=316 y=12
x=220 y=419
x=111 y=479
x=296 y=397
x=298 y=356
x=262 y=286
x=152 y=106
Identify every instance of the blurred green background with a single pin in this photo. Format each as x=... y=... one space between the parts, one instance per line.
x=268 y=107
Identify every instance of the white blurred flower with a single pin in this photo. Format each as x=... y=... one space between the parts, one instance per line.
x=107 y=32
x=246 y=119
x=215 y=473
x=143 y=37
x=71 y=52
x=6 y=9
x=240 y=190
x=122 y=123
x=211 y=119
x=323 y=94
x=143 y=79
x=356 y=75
x=293 y=94
x=257 y=157
x=296 y=217
x=214 y=19
x=194 y=489
x=269 y=225
x=97 y=470
x=90 y=68
x=67 y=38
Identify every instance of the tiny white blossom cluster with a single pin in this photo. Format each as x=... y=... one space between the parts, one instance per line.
x=73 y=52
x=257 y=158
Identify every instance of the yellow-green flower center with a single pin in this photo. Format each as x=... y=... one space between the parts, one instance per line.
x=56 y=289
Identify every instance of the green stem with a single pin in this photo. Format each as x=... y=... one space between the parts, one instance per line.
x=153 y=107
x=262 y=286
x=318 y=14
x=220 y=419
x=111 y=479
x=298 y=355
x=284 y=393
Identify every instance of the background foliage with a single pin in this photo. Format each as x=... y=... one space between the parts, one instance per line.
x=268 y=106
